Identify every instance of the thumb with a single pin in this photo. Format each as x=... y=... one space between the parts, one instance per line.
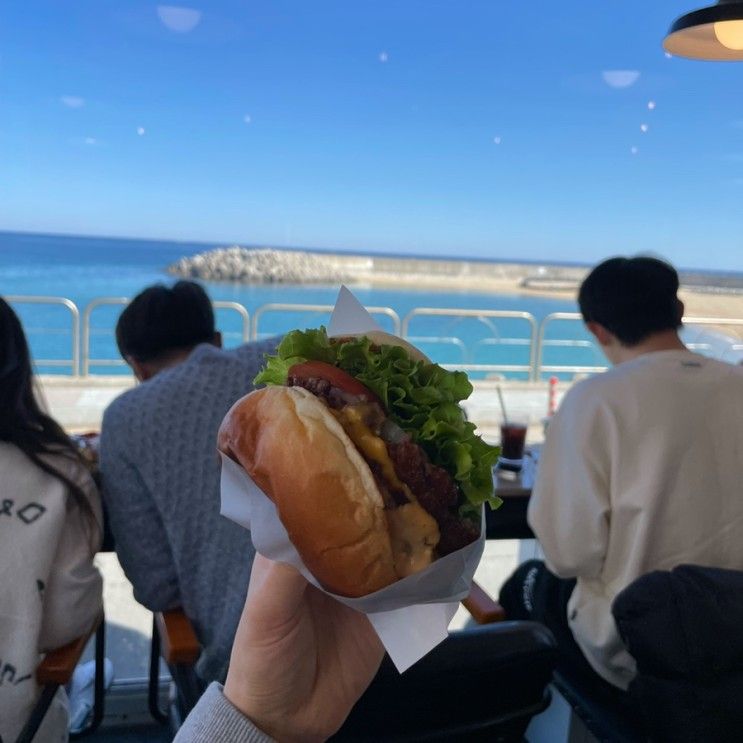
x=275 y=593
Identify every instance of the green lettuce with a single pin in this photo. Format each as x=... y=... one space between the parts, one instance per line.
x=422 y=398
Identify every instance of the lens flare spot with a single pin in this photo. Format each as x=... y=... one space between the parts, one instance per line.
x=72 y=101
x=620 y=78
x=178 y=19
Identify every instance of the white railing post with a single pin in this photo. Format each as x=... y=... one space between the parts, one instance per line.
x=74 y=362
x=478 y=315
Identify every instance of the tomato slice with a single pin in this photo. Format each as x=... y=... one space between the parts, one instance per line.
x=335 y=376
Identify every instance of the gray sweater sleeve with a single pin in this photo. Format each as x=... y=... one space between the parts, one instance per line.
x=215 y=720
x=142 y=542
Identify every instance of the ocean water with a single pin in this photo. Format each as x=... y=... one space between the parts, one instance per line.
x=83 y=269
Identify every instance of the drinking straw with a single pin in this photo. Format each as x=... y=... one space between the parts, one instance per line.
x=502 y=404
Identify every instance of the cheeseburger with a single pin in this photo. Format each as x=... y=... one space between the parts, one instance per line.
x=363 y=447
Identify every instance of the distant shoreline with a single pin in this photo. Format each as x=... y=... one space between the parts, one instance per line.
x=723 y=299
x=270 y=265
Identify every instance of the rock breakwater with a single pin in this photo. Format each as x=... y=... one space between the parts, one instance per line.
x=264 y=266
x=272 y=266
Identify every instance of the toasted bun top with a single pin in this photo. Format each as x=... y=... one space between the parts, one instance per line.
x=386 y=339
x=324 y=492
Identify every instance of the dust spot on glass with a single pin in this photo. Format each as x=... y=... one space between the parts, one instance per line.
x=620 y=78
x=178 y=19
x=72 y=101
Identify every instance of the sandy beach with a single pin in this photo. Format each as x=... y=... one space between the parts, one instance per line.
x=696 y=303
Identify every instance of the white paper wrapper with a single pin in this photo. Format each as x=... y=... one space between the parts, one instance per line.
x=412 y=615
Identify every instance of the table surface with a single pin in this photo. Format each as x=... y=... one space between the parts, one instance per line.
x=518 y=484
x=514 y=488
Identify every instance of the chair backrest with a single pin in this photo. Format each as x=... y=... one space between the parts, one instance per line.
x=482 y=683
x=683 y=627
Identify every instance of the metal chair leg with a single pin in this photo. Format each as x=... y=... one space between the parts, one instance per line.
x=153 y=688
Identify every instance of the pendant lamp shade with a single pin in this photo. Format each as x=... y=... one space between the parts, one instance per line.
x=714 y=33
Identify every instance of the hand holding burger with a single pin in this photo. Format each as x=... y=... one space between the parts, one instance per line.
x=361 y=444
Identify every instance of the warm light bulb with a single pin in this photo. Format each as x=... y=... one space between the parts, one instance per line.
x=730 y=34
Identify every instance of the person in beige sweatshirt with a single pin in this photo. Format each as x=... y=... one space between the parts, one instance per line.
x=641 y=469
x=50 y=529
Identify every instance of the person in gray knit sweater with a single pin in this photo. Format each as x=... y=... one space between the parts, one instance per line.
x=160 y=470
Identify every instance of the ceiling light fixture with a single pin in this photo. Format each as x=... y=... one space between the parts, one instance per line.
x=714 y=33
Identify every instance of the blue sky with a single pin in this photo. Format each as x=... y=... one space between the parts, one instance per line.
x=458 y=127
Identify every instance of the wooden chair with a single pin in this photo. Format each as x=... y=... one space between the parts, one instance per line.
x=174 y=639
x=56 y=670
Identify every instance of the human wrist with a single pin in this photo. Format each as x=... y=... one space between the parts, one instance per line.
x=234 y=693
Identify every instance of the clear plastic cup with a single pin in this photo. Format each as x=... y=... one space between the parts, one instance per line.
x=513 y=441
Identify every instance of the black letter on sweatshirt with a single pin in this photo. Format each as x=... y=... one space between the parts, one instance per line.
x=35 y=511
x=8 y=671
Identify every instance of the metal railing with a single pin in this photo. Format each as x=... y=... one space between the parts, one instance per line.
x=87 y=361
x=87 y=312
x=542 y=368
x=482 y=316
x=74 y=361
x=536 y=341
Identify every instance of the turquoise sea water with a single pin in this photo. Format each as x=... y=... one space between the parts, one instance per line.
x=83 y=269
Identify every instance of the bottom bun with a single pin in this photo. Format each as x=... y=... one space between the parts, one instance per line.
x=325 y=494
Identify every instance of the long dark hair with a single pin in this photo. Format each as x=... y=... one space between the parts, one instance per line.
x=22 y=421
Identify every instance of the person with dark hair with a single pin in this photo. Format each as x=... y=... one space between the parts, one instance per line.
x=163 y=324
x=632 y=299
x=641 y=469
x=160 y=469
x=50 y=529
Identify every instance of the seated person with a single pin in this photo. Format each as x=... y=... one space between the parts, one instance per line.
x=50 y=529
x=160 y=469
x=641 y=469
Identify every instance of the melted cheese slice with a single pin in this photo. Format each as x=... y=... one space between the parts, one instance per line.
x=414 y=533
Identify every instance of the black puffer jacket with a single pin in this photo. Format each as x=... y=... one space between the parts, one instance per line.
x=685 y=630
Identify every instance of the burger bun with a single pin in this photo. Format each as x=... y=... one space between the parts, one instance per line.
x=324 y=492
